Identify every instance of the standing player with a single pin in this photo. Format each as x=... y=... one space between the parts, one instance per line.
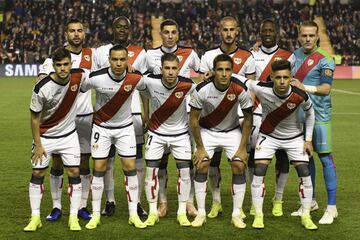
x=136 y=58
x=269 y=52
x=81 y=58
x=168 y=130
x=244 y=66
x=215 y=124
x=314 y=68
x=169 y=32
x=281 y=128
x=113 y=124
x=53 y=112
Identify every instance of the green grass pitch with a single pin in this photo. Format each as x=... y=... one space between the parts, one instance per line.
x=15 y=168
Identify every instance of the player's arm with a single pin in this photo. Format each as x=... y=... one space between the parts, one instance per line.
x=38 y=151
x=245 y=134
x=250 y=76
x=309 y=124
x=200 y=153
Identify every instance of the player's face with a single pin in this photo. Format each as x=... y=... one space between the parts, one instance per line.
x=170 y=71
x=118 y=61
x=121 y=30
x=169 y=36
x=62 y=68
x=223 y=71
x=308 y=38
x=75 y=34
x=281 y=81
x=229 y=31
x=268 y=35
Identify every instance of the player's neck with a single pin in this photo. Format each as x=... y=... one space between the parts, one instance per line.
x=282 y=94
x=228 y=48
x=221 y=87
x=115 y=76
x=57 y=79
x=74 y=49
x=308 y=52
x=169 y=49
x=268 y=49
x=124 y=43
x=169 y=85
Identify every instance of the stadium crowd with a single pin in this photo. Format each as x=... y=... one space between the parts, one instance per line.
x=30 y=37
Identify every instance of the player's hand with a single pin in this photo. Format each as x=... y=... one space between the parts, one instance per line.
x=255 y=47
x=296 y=83
x=308 y=148
x=208 y=75
x=241 y=155
x=38 y=153
x=200 y=156
x=130 y=68
x=145 y=121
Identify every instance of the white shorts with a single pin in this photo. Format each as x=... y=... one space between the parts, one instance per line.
x=138 y=126
x=267 y=146
x=67 y=147
x=229 y=141
x=123 y=139
x=157 y=145
x=83 y=128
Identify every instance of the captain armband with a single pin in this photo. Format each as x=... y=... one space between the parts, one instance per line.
x=310 y=89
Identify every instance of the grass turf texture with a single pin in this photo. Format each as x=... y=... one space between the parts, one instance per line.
x=15 y=168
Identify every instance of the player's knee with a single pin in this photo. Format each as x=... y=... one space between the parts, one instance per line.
x=129 y=164
x=56 y=172
x=101 y=165
x=73 y=171
x=260 y=169
x=74 y=180
x=37 y=179
x=38 y=172
x=302 y=170
x=327 y=160
x=203 y=167
x=238 y=178
x=200 y=176
x=238 y=167
x=153 y=163
x=98 y=173
x=183 y=164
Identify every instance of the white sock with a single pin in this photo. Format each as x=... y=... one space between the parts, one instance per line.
x=131 y=188
x=35 y=195
x=85 y=189
x=97 y=188
x=56 y=184
x=183 y=189
x=140 y=174
x=215 y=183
x=200 y=194
x=238 y=191
x=280 y=185
x=152 y=188
x=258 y=193
x=163 y=178
x=109 y=180
x=74 y=193
x=305 y=193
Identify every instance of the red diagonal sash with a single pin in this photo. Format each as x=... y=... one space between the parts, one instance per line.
x=86 y=59
x=66 y=104
x=133 y=53
x=309 y=63
x=183 y=54
x=282 y=112
x=279 y=54
x=240 y=58
x=114 y=104
x=217 y=116
x=171 y=104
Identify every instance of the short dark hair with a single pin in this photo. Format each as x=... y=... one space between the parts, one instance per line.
x=169 y=57
x=59 y=54
x=121 y=18
x=168 y=22
x=118 y=47
x=271 y=21
x=73 y=20
x=280 y=65
x=223 y=58
x=309 y=24
x=229 y=18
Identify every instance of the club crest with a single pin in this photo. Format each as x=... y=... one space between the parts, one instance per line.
x=87 y=58
x=95 y=146
x=74 y=87
x=231 y=97
x=131 y=54
x=290 y=105
x=237 y=61
x=180 y=58
x=310 y=62
x=179 y=94
x=127 y=88
x=277 y=58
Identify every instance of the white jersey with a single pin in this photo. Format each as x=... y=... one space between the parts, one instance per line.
x=136 y=58
x=106 y=87
x=188 y=59
x=280 y=113
x=83 y=60
x=219 y=108
x=57 y=112
x=168 y=105
x=243 y=61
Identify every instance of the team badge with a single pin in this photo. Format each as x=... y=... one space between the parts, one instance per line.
x=127 y=88
x=231 y=96
x=87 y=58
x=277 y=58
x=290 y=105
x=74 y=87
x=179 y=94
x=328 y=73
x=237 y=61
x=131 y=54
x=180 y=58
x=95 y=146
x=310 y=62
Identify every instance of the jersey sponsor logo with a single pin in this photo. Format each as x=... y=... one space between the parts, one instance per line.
x=95 y=146
x=179 y=94
x=237 y=61
x=74 y=88
x=310 y=62
x=291 y=105
x=231 y=96
x=328 y=73
x=131 y=54
x=127 y=88
x=87 y=58
x=180 y=58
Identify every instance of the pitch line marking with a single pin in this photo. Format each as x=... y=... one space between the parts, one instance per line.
x=346 y=92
